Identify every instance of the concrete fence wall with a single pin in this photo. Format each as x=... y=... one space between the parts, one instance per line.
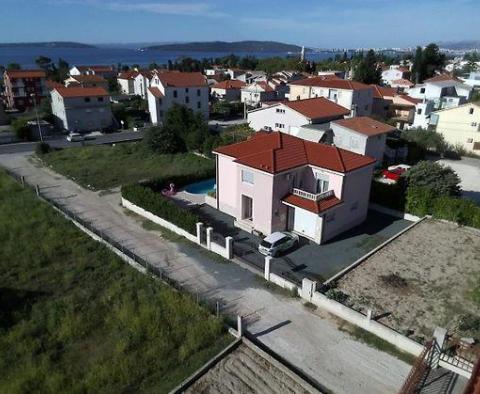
x=277 y=279
x=224 y=251
x=393 y=337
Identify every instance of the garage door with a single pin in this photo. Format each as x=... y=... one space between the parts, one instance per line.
x=305 y=222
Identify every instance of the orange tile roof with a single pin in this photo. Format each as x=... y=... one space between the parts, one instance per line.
x=382 y=91
x=412 y=100
x=229 y=84
x=404 y=82
x=88 y=78
x=365 y=125
x=317 y=108
x=128 y=74
x=26 y=73
x=182 y=79
x=443 y=77
x=156 y=92
x=334 y=83
x=276 y=152
x=81 y=92
x=312 y=206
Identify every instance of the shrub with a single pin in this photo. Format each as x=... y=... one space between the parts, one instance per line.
x=21 y=128
x=337 y=295
x=161 y=206
x=391 y=196
x=420 y=200
x=164 y=140
x=441 y=179
x=42 y=148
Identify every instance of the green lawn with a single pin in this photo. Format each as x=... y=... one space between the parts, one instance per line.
x=104 y=167
x=75 y=318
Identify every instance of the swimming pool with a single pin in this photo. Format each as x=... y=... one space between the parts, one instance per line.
x=202 y=187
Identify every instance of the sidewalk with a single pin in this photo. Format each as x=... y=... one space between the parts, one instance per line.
x=311 y=342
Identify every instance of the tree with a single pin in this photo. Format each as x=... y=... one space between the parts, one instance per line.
x=21 y=128
x=113 y=86
x=13 y=66
x=164 y=140
x=426 y=62
x=45 y=63
x=367 y=70
x=417 y=70
x=440 y=180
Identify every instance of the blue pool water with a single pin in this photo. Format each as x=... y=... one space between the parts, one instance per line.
x=202 y=187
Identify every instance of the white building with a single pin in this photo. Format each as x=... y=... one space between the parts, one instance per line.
x=289 y=116
x=394 y=73
x=362 y=135
x=229 y=90
x=173 y=87
x=87 y=81
x=421 y=118
x=81 y=109
x=103 y=71
x=259 y=92
x=473 y=79
x=142 y=81
x=355 y=96
x=440 y=88
x=125 y=81
x=460 y=126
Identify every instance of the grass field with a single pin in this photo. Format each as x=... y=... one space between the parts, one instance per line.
x=102 y=167
x=75 y=318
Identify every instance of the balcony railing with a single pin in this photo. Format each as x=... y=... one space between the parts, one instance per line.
x=313 y=196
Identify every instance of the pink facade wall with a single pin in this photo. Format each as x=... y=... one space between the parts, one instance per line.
x=226 y=182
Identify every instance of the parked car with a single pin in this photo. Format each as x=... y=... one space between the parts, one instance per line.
x=277 y=243
x=74 y=137
x=394 y=173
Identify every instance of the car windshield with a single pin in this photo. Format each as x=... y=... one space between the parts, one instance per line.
x=266 y=244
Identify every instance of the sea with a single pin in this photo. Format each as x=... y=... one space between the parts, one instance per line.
x=25 y=56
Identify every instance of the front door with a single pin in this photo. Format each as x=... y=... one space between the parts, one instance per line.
x=247 y=208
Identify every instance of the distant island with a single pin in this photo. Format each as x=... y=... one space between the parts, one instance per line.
x=223 y=46
x=465 y=45
x=51 y=44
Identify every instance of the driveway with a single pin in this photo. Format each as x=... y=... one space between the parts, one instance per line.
x=310 y=340
x=468 y=169
x=317 y=262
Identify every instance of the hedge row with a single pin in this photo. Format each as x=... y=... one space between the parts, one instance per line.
x=391 y=196
x=423 y=201
x=158 y=184
x=161 y=206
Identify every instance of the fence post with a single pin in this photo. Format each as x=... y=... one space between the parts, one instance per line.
x=199 y=232
x=369 y=315
x=37 y=190
x=218 y=309
x=22 y=179
x=229 y=247
x=268 y=260
x=239 y=326
x=209 y=238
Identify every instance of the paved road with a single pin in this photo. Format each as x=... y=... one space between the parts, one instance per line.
x=468 y=169
x=63 y=143
x=309 y=340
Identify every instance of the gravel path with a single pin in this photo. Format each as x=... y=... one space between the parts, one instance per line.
x=311 y=342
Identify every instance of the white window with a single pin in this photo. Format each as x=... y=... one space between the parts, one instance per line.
x=247 y=177
x=322 y=183
x=279 y=125
x=353 y=142
x=280 y=111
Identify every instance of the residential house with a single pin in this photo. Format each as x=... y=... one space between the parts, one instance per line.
x=403 y=85
x=355 y=96
x=473 y=79
x=394 y=73
x=290 y=116
x=250 y=77
x=286 y=77
x=167 y=88
x=403 y=110
x=234 y=72
x=126 y=81
x=444 y=90
x=87 y=81
x=215 y=70
x=459 y=126
x=276 y=182
x=362 y=135
x=336 y=73
x=142 y=81
x=103 y=71
x=24 y=88
x=228 y=90
x=78 y=109
x=382 y=99
x=258 y=92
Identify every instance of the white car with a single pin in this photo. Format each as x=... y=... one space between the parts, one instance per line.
x=74 y=137
x=277 y=243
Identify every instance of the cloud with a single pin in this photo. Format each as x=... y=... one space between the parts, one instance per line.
x=187 y=9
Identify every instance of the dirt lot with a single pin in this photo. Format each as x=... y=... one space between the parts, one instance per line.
x=245 y=371
x=428 y=277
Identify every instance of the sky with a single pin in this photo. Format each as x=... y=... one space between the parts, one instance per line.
x=313 y=23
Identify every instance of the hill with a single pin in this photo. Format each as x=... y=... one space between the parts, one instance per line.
x=223 y=46
x=460 y=45
x=50 y=44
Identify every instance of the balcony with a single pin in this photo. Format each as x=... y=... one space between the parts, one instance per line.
x=313 y=196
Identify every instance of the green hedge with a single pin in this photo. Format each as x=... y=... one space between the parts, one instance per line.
x=161 y=206
x=391 y=196
x=423 y=201
x=158 y=184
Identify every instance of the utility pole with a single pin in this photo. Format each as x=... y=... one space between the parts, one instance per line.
x=32 y=95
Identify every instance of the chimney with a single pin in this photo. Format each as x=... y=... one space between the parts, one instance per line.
x=353 y=112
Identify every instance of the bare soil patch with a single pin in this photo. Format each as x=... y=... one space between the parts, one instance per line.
x=428 y=277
